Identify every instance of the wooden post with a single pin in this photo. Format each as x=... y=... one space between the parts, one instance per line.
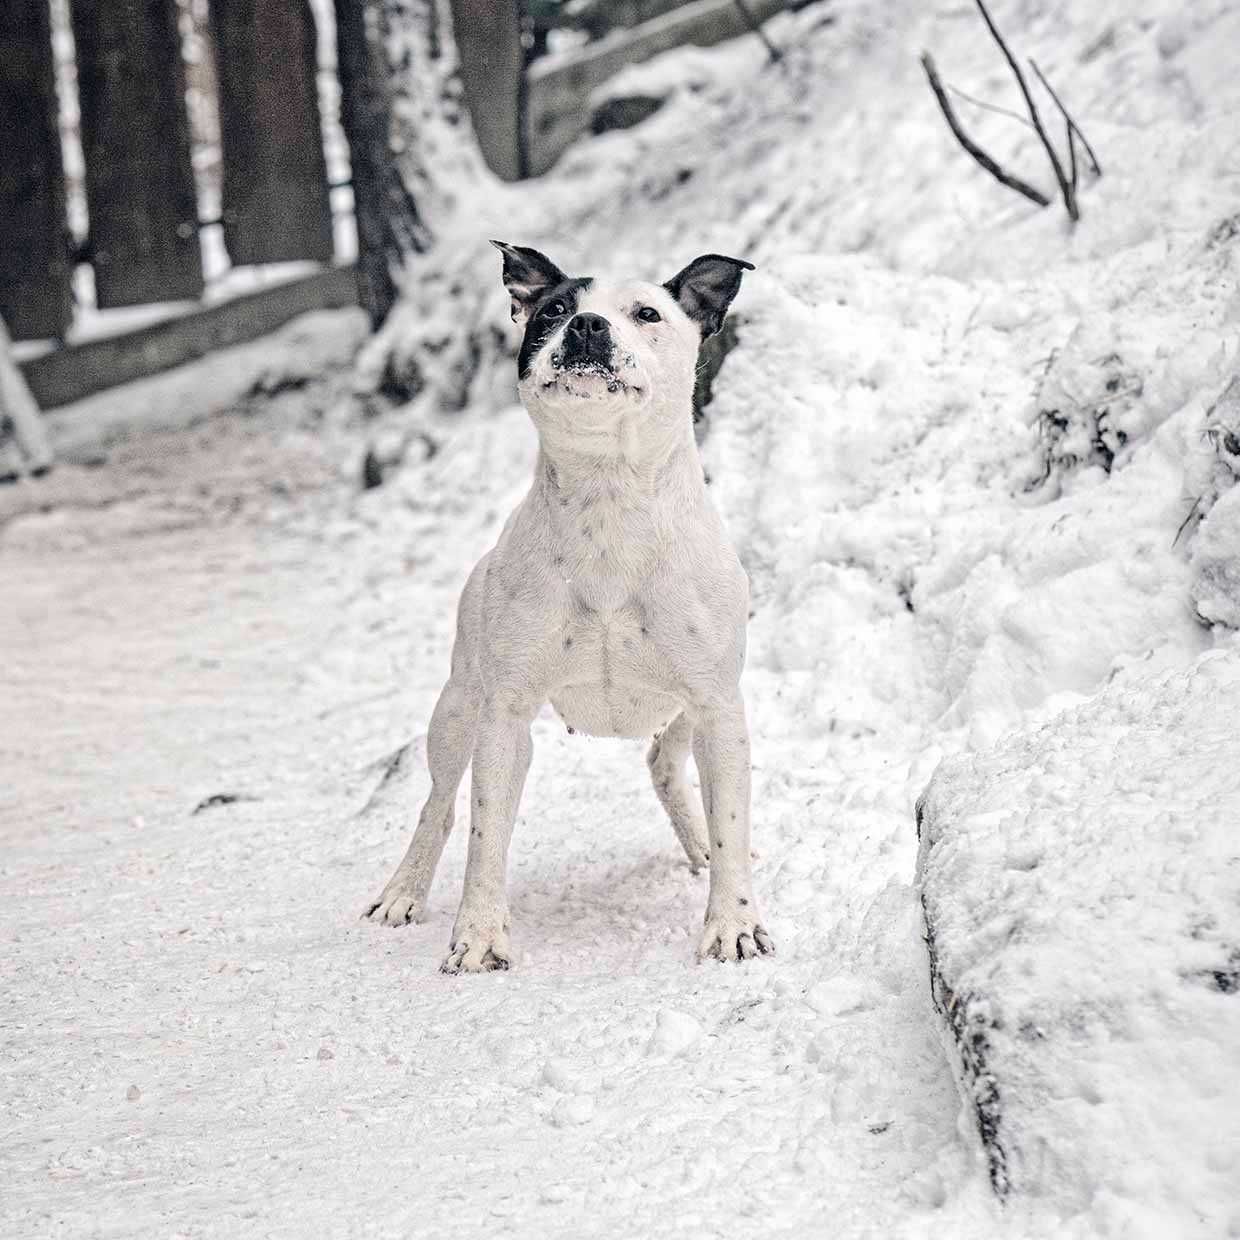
x=35 y=267
x=24 y=446
x=135 y=135
x=488 y=39
x=558 y=89
x=275 y=201
x=389 y=224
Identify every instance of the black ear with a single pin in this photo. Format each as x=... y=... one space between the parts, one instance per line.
x=705 y=289
x=527 y=276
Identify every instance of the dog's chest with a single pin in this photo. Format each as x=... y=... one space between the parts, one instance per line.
x=610 y=669
x=613 y=680
x=635 y=632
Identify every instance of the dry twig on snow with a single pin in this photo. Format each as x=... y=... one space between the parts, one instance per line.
x=1067 y=180
x=1068 y=120
x=1000 y=174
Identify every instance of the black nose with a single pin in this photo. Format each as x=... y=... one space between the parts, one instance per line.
x=585 y=325
x=587 y=338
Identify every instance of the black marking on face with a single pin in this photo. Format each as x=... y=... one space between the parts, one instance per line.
x=552 y=310
x=528 y=274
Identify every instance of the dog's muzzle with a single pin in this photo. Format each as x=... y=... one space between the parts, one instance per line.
x=587 y=343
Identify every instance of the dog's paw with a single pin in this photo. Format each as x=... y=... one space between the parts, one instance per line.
x=477 y=947
x=400 y=903
x=730 y=937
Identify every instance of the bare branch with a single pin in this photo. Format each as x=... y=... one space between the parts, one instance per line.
x=989 y=107
x=1069 y=198
x=1192 y=512
x=1070 y=134
x=1050 y=90
x=1000 y=174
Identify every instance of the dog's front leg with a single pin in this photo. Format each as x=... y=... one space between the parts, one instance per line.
x=721 y=748
x=501 y=761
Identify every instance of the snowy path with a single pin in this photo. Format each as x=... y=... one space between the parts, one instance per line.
x=197 y=1034
x=294 y=1066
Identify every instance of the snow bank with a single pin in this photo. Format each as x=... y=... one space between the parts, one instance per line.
x=1081 y=884
x=1213 y=476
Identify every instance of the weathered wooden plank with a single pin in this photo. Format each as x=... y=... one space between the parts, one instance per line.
x=275 y=197
x=488 y=40
x=24 y=445
x=135 y=137
x=559 y=86
x=34 y=254
x=68 y=374
x=604 y=15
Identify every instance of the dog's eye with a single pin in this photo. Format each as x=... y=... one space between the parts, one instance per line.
x=555 y=310
x=648 y=314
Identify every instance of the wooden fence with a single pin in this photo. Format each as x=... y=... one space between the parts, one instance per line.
x=142 y=202
x=525 y=119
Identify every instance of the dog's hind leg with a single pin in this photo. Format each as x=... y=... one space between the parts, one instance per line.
x=449 y=746
x=666 y=759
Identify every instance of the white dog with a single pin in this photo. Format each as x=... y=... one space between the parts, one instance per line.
x=613 y=592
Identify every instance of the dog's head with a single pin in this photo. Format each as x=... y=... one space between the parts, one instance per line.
x=594 y=352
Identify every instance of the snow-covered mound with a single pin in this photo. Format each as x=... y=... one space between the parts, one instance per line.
x=978 y=462
x=1081 y=884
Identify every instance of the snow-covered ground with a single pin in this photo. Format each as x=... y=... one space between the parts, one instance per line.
x=956 y=446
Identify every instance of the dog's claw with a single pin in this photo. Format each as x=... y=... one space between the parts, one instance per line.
x=393 y=908
x=490 y=954
x=730 y=939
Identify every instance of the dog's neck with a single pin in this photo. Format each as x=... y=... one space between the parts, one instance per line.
x=613 y=515
x=636 y=457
